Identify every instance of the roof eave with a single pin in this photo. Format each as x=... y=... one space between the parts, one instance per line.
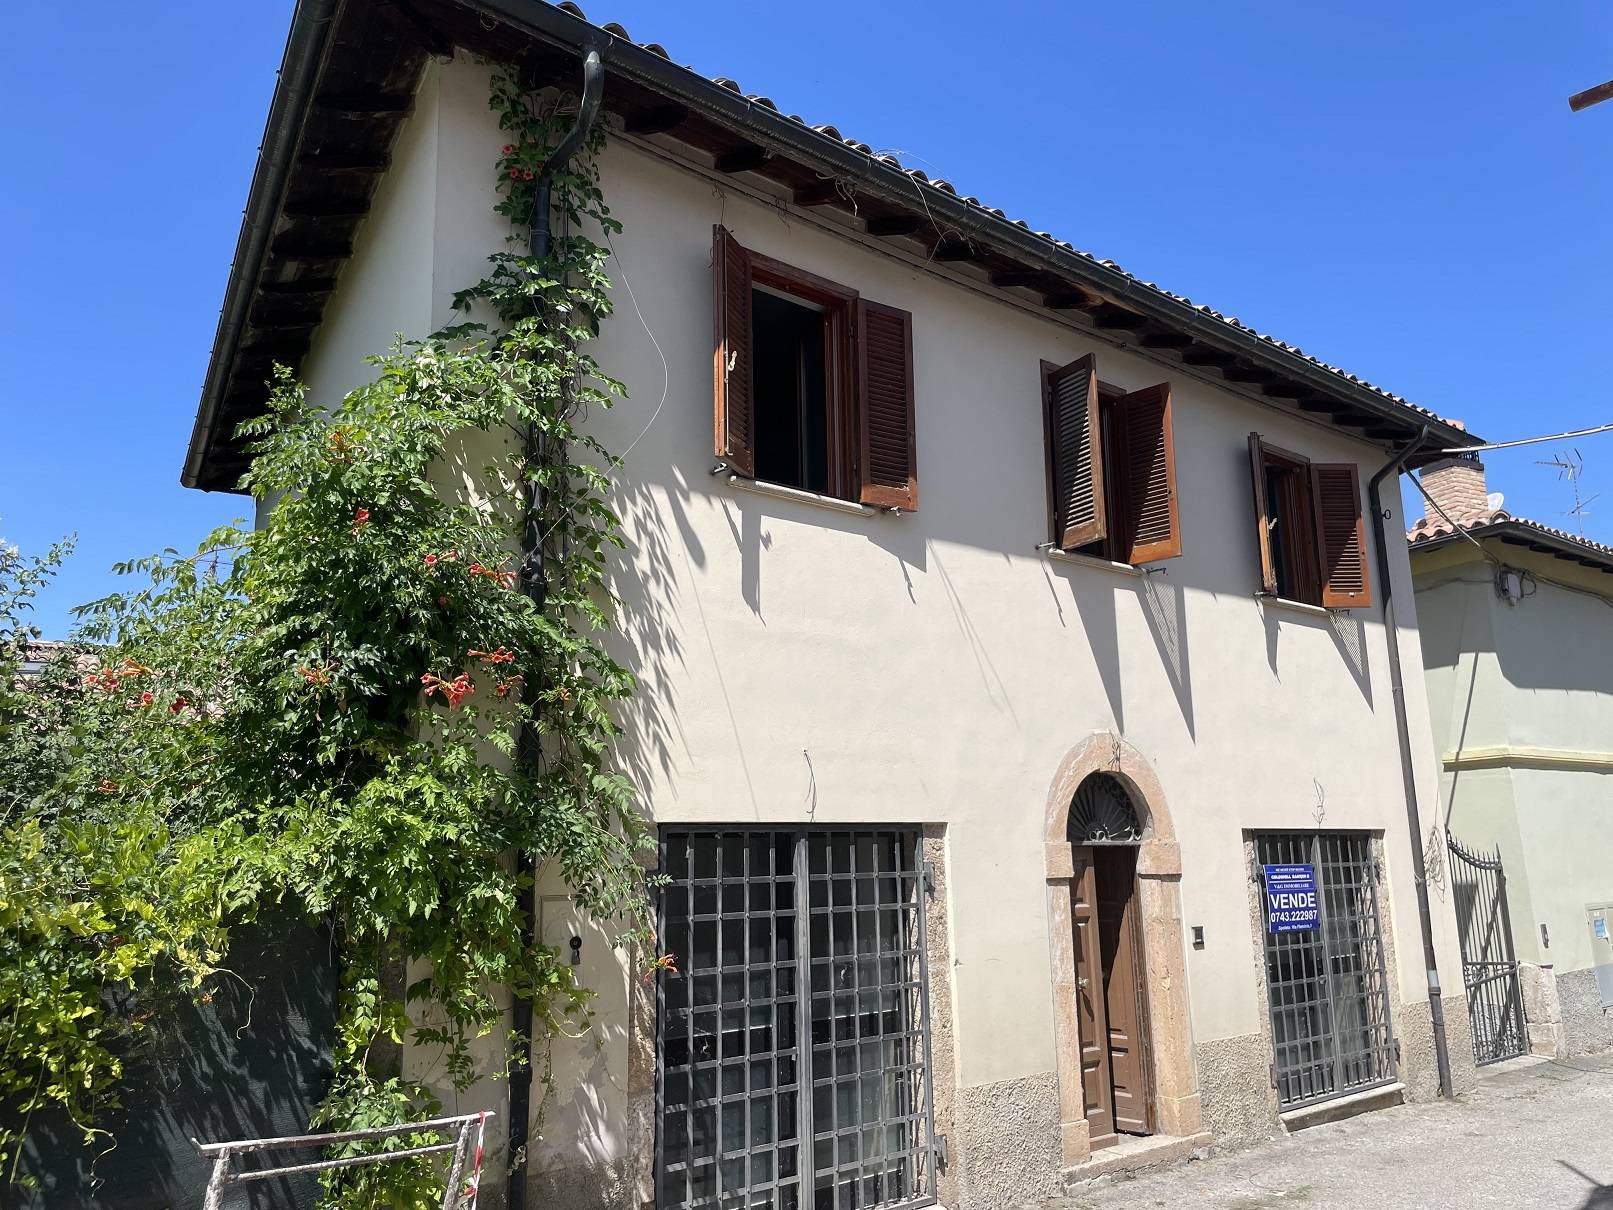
x=1524 y=533
x=307 y=43
x=768 y=126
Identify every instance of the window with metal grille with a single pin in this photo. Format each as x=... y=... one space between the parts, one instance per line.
x=1327 y=987
x=760 y=1104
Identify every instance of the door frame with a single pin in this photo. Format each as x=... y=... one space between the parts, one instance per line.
x=1172 y=1073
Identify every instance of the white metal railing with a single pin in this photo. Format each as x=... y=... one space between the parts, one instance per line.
x=459 y=1193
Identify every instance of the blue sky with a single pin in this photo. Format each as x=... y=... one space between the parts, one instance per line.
x=1399 y=189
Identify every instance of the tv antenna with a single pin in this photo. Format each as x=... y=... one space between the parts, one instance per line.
x=1570 y=465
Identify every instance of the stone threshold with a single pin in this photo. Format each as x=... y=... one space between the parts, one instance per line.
x=1340 y=1108
x=1137 y=1155
x=1516 y=1063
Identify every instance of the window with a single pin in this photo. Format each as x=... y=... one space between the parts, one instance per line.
x=1309 y=528
x=1327 y=987
x=1111 y=466
x=792 y=1043
x=813 y=384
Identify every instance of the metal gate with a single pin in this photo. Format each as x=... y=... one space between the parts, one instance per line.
x=1327 y=987
x=1489 y=965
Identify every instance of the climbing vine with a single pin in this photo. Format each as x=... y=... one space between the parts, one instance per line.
x=363 y=709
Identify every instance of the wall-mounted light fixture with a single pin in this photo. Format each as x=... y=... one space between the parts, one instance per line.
x=576 y=951
x=1198 y=936
x=1509 y=585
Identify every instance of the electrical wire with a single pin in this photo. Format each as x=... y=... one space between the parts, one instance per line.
x=666 y=372
x=1505 y=445
x=1497 y=563
x=666 y=375
x=1449 y=520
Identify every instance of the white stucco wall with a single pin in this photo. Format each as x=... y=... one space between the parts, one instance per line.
x=1527 y=679
x=798 y=663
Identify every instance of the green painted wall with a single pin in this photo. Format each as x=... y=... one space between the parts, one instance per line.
x=1523 y=677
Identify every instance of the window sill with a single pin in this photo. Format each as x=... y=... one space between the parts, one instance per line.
x=1267 y=600
x=1070 y=556
x=779 y=492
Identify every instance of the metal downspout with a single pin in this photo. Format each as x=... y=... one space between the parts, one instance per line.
x=535 y=586
x=1436 y=1009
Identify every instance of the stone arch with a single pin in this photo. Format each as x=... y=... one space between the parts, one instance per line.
x=1172 y=1073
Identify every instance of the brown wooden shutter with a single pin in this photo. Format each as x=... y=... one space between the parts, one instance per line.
x=887 y=462
x=1341 y=535
x=1257 y=473
x=1074 y=453
x=1148 y=527
x=735 y=420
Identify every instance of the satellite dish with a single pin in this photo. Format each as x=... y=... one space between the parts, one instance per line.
x=1493 y=501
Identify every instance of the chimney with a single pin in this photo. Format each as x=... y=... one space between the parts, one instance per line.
x=1457 y=485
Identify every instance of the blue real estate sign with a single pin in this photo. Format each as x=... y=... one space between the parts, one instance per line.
x=1291 y=905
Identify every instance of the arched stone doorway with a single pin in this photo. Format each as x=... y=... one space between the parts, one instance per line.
x=1109 y=843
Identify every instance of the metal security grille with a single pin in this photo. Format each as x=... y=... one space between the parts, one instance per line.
x=1327 y=987
x=1489 y=965
x=762 y=1105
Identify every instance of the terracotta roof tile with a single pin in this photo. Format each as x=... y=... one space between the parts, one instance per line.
x=1478 y=520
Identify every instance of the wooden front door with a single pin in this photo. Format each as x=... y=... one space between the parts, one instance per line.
x=1109 y=992
x=1119 y=937
x=1096 y=1084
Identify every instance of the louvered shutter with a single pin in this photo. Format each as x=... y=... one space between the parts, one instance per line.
x=735 y=419
x=887 y=462
x=1340 y=535
x=1074 y=453
x=1257 y=473
x=1145 y=462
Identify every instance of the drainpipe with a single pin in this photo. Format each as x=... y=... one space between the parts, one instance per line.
x=1436 y=1008
x=535 y=586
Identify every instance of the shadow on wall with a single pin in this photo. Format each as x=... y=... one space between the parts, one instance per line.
x=645 y=585
x=583 y=1147
x=253 y=1063
x=1347 y=630
x=1164 y=608
x=654 y=614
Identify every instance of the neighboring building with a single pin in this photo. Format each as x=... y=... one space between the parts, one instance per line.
x=963 y=790
x=1516 y=621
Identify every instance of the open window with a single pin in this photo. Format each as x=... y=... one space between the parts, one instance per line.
x=1111 y=466
x=1309 y=528
x=813 y=384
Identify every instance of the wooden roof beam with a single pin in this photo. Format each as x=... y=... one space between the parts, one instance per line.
x=949 y=249
x=1110 y=316
x=341 y=161
x=298 y=245
x=1205 y=355
x=886 y=226
x=299 y=285
x=824 y=193
x=1071 y=300
x=1015 y=279
x=363 y=104
x=658 y=120
x=325 y=207
x=1239 y=371
x=1160 y=338
x=746 y=158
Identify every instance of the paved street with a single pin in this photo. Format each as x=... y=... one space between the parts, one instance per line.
x=1533 y=1134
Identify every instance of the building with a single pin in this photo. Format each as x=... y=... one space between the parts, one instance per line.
x=1520 y=690
x=970 y=719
